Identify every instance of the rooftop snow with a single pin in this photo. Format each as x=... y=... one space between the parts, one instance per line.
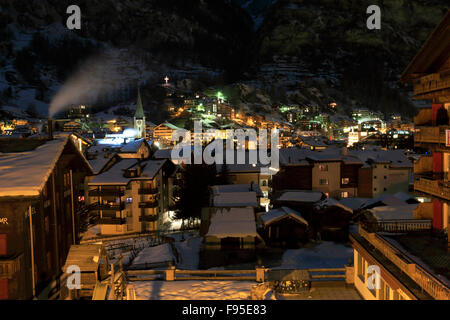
x=330 y=202
x=114 y=176
x=280 y=213
x=405 y=211
x=25 y=173
x=301 y=196
x=227 y=188
x=236 y=222
x=132 y=147
x=235 y=199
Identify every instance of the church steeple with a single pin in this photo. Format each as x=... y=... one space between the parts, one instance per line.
x=139 y=109
x=139 y=118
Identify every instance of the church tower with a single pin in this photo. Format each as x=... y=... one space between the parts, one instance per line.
x=139 y=118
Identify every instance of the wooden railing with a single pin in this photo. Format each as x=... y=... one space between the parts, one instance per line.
x=429 y=283
x=422 y=88
x=9 y=267
x=429 y=135
x=395 y=226
x=259 y=274
x=433 y=187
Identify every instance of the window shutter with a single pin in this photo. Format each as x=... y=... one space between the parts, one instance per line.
x=3 y=247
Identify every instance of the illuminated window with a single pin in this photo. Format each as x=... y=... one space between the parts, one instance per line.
x=344 y=194
x=345 y=180
x=323 y=182
x=323 y=167
x=129 y=200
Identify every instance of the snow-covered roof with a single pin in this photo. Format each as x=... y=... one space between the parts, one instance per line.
x=227 y=188
x=132 y=147
x=301 y=196
x=150 y=169
x=353 y=203
x=280 y=213
x=405 y=197
x=330 y=202
x=98 y=164
x=397 y=212
x=25 y=173
x=115 y=175
x=235 y=222
x=385 y=199
x=235 y=199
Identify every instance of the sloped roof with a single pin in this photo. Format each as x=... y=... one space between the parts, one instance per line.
x=25 y=173
x=330 y=202
x=281 y=213
x=236 y=222
x=300 y=196
x=435 y=51
x=235 y=199
x=132 y=146
x=226 y=188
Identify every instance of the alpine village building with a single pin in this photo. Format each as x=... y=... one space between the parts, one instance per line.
x=41 y=198
x=410 y=260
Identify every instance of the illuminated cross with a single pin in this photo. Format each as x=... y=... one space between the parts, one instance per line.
x=166 y=79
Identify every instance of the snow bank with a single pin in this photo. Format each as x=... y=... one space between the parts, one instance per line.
x=158 y=256
x=193 y=290
x=324 y=255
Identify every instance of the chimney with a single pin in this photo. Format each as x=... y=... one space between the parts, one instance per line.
x=50 y=129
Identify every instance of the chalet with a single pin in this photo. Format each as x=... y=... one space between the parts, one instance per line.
x=332 y=219
x=163 y=133
x=231 y=237
x=93 y=262
x=41 y=189
x=284 y=227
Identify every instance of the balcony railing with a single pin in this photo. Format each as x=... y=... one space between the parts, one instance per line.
x=148 y=204
x=148 y=218
x=107 y=207
x=148 y=191
x=400 y=226
x=106 y=193
x=431 y=86
x=435 y=134
x=110 y=220
x=437 y=188
x=9 y=267
x=433 y=286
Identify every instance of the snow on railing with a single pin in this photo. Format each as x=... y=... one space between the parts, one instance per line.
x=429 y=283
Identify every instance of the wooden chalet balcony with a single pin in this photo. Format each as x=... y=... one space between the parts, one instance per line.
x=9 y=267
x=435 y=187
x=423 y=88
x=112 y=220
x=148 y=204
x=148 y=218
x=148 y=191
x=432 y=134
x=428 y=282
x=106 y=193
